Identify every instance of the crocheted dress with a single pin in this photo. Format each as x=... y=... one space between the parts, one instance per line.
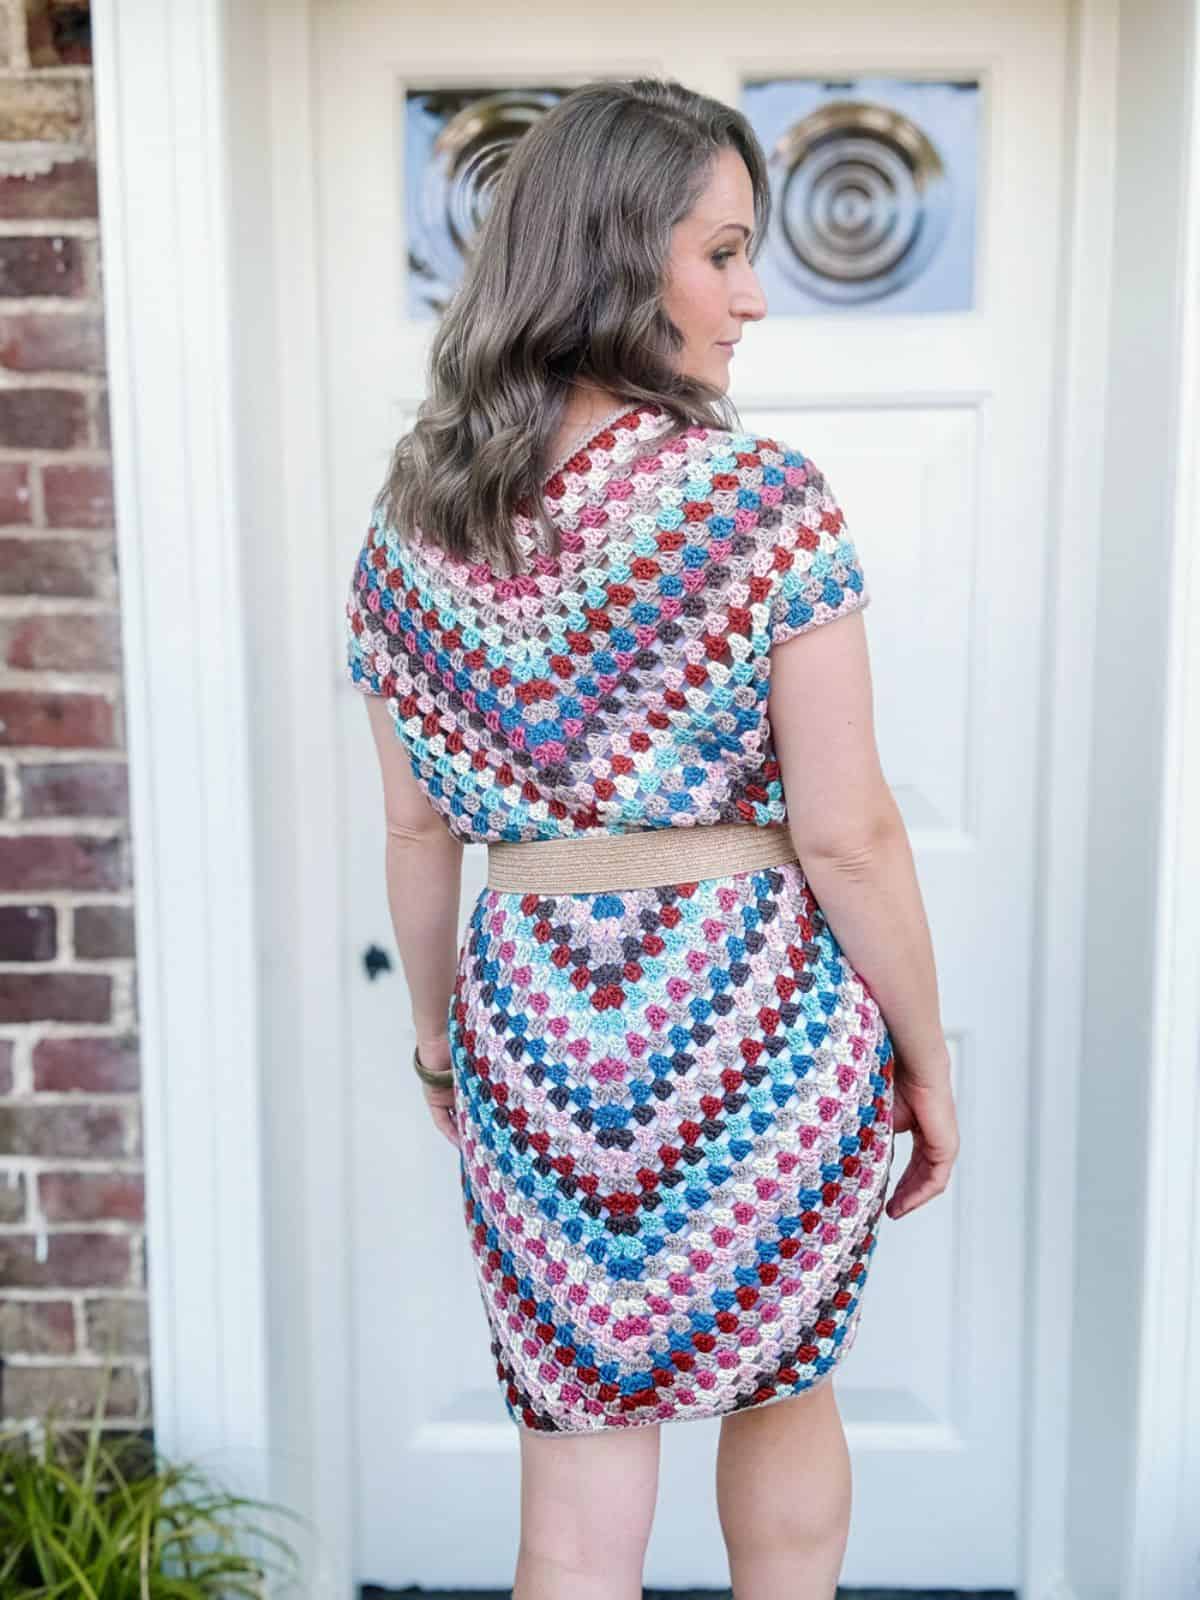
x=675 y=1103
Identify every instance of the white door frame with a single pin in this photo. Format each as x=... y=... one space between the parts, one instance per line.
x=217 y=438
x=1163 y=1555
x=161 y=155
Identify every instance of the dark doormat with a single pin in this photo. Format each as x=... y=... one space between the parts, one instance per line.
x=371 y=1591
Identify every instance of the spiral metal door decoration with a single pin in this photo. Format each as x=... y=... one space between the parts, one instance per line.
x=861 y=201
x=450 y=194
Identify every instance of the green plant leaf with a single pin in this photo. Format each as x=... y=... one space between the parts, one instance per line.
x=86 y=1591
x=113 y=1521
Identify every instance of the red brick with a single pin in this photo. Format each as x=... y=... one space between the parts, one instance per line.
x=41 y=265
x=67 y=193
x=117 y=1327
x=64 y=641
x=103 y=432
x=74 y=1260
x=14 y=492
x=28 y=933
x=66 y=568
x=6 y=1066
x=104 y=1064
x=12 y=1200
x=44 y=341
x=43 y=419
x=75 y=789
x=69 y=1393
x=28 y=1128
x=51 y=717
x=55 y=997
x=33 y=862
x=37 y=1327
x=104 y=933
x=89 y=250
x=77 y=495
x=91 y=1196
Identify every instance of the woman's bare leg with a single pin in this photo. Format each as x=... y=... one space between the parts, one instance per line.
x=783 y=1495
x=587 y=1504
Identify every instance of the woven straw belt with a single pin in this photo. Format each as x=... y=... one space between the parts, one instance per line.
x=645 y=859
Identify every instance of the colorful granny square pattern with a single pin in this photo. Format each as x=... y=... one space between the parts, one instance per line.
x=676 y=1103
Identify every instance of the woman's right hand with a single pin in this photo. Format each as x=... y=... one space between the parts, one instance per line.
x=925 y=1108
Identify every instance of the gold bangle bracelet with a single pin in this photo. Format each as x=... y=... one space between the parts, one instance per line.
x=436 y=1080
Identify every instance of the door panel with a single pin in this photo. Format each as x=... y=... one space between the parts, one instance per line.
x=933 y=430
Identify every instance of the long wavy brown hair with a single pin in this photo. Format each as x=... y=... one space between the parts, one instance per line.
x=562 y=285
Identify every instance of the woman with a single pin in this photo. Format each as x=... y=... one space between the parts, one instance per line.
x=593 y=610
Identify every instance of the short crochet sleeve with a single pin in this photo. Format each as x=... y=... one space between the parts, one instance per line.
x=367 y=610
x=816 y=571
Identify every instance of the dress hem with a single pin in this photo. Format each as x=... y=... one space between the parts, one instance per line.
x=681 y=1416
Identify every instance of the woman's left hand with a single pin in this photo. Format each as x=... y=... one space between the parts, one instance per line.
x=435 y=1054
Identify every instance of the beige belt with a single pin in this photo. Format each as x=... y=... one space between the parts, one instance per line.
x=644 y=859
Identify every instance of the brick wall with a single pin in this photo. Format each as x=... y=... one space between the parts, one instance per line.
x=72 y=1268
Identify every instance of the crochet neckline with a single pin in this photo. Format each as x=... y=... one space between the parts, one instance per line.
x=605 y=423
x=498 y=604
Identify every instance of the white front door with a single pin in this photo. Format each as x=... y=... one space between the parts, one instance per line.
x=932 y=424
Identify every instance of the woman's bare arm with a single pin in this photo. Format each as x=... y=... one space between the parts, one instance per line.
x=855 y=852
x=424 y=875
x=848 y=831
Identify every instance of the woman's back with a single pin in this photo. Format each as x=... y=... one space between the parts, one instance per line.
x=623 y=684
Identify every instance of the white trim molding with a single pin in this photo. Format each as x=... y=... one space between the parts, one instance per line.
x=1082 y=363
x=1164 y=1544
x=160 y=92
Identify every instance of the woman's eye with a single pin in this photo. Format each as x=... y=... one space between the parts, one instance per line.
x=722 y=256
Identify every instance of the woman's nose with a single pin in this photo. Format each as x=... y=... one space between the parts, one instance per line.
x=752 y=305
